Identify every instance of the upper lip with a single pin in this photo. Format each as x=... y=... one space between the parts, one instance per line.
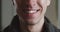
x=26 y=9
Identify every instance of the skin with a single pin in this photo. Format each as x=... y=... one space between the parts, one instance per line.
x=34 y=22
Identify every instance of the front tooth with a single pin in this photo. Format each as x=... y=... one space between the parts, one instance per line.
x=31 y=11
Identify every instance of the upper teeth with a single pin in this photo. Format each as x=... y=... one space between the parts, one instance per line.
x=30 y=11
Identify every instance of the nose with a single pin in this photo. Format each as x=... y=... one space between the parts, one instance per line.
x=30 y=4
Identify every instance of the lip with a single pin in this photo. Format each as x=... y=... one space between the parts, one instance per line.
x=27 y=11
x=30 y=15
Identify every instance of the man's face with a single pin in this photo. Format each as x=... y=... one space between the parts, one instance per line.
x=31 y=11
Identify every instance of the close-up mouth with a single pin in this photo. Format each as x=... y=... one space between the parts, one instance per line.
x=30 y=11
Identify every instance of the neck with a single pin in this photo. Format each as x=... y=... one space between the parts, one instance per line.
x=33 y=28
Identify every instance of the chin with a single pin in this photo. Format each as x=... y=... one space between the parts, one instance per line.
x=31 y=21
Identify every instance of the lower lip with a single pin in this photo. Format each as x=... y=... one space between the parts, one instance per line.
x=30 y=15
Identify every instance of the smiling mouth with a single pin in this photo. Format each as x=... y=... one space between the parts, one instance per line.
x=31 y=12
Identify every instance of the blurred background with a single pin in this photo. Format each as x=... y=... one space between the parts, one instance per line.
x=0 y=15
x=8 y=11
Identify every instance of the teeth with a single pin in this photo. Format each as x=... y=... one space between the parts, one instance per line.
x=31 y=11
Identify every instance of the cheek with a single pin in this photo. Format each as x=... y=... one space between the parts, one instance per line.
x=17 y=3
x=42 y=2
x=18 y=12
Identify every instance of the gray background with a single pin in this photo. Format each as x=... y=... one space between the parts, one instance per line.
x=58 y=13
x=0 y=15
x=8 y=11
